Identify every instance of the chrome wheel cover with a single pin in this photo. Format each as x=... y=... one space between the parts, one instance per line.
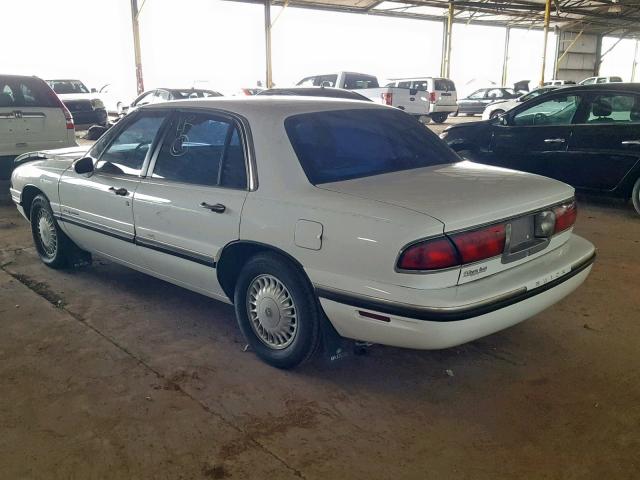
x=47 y=233
x=272 y=312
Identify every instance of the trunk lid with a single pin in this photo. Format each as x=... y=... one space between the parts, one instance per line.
x=460 y=195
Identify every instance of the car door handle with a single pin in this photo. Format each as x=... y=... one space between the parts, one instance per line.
x=631 y=142
x=119 y=191
x=554 y=140
x=218 y=207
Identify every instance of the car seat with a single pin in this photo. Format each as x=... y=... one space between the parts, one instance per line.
x=601 y=109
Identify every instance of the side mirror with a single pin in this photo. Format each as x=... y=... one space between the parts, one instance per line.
x=502 y=120
x=84 y=165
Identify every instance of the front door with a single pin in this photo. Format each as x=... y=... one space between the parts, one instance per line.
x=97 y=209
x=605 y=145
x=535 y=137
x=188 y=208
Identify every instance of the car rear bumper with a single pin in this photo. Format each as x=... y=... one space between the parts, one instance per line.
x=543 y=282
x=443 y=108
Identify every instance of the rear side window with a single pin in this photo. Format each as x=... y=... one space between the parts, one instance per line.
x=319 y=81
x=614 y=108
x=202 y=149
x=20 y=92
x=346 y=144
x=354 y=81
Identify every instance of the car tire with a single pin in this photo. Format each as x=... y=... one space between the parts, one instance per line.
x=439 y=117
x=635 y=196
x=496 y=113
x=277 y=310
x=52 y=244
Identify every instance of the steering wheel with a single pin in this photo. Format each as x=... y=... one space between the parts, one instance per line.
x=539 y=118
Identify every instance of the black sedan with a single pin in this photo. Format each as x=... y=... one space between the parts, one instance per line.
x=475 y=103
x=587 y=136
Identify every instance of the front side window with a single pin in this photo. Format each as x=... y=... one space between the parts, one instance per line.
x=129 y=149
x=614 y=108
x=558 y=110
x=346 y=144
x=404 y=84
x=202 y=149
x=495 y=93
x=161 y=96
x=477 y=95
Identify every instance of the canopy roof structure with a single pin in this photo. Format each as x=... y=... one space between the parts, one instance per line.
x=603 y=17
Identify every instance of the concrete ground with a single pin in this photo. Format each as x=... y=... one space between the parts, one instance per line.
x=108 y=373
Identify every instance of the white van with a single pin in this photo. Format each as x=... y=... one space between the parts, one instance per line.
x=443 y=98
x=32 y=118
x=592 y=80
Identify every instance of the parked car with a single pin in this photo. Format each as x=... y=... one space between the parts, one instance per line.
x=442 y=94
x=587 y=136
x=475 y=103
x=86 y=106
x=592 y=80
x=32 y=117
x=114 y=100
x=498 y=108
x=327 y=92
x=159 y=95
x=249 y=91
x=411 y=101
x=312 y=216
x=558 y=83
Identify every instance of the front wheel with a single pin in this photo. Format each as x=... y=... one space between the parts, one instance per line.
x=51 y=242
x=277 y=311
x=439 y=117
x=635 y=196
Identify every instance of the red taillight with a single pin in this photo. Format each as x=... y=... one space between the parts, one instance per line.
x=432 y=96
x=566 y=215
x=429 y=255
x=387 y=98
x=480 y=244
x=56 y=100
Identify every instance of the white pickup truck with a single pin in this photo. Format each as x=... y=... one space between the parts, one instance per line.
x=423 y=97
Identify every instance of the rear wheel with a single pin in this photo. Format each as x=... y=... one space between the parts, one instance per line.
x=51 y=242
x=439 y=117
x=277 y=311
x=635 y=196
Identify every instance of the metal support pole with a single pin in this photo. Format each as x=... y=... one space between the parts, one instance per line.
x=136 y=46
x=443 y=53
x=447 y=64
x=505 y=59
x=596 y=66
x=635 y=62
x=547 y=17
x=267 y=42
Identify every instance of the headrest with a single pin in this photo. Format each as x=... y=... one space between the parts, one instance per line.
x=602 y=108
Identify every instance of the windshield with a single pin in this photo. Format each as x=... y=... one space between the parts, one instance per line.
x=67 y=86
x=346 y=144
x=193 y=93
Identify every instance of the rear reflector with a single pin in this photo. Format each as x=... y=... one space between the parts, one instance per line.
x=429 y=255
x=480 y=244
x=566 y=215
x=374 y=316
x=387 y=98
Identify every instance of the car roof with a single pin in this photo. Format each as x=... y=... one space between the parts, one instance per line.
x=617 y=87
x=326 y=92
x=267 y=104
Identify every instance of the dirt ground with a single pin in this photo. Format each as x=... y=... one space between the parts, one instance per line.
x=108 y=373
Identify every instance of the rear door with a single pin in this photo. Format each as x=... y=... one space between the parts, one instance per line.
x=535 y=136
x=445 y=93
x=605 y=146
x=406 y=96
x=188 y=208
x=30 y=117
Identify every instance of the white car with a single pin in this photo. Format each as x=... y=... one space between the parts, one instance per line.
x=85 y=105
x=500 y=107
x=32 y=117
x=312 y=215
x=592 y=80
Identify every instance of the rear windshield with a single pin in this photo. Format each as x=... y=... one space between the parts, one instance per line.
x=25 y=92
x=62 y=87
x=355 y=81
x=346 y=144
x=195 y=93
x=442 y=84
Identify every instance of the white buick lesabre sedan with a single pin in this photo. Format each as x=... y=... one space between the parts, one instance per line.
x=308 y=215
